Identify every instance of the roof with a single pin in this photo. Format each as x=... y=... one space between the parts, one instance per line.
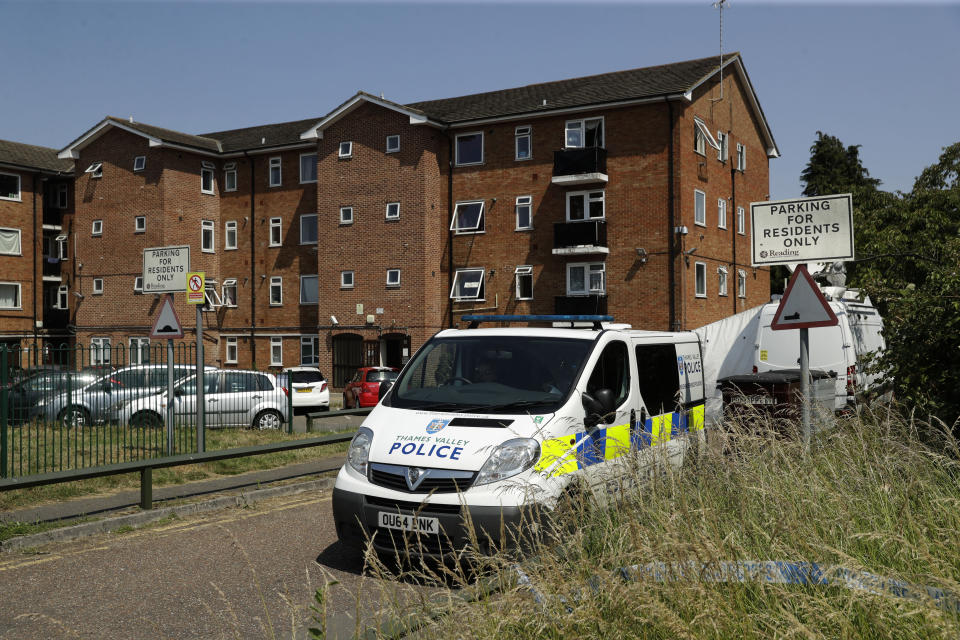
x=31 y=156
x=169 y=135
x=269 y=135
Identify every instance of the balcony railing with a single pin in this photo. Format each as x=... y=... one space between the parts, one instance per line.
x=592 y=233
x=51 y=266
x=580 y=305
x=52 y=215
x=55 y=318
x=580 y=166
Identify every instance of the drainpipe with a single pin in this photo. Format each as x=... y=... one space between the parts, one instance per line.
x=36 y=276
x=672 y=235
x=253 y=266
x=450 y=222
x=733 y=207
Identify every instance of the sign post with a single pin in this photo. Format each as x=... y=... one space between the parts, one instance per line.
x=196 y=296
x=167 y=325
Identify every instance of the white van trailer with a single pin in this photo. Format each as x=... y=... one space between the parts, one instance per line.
x=489 y=424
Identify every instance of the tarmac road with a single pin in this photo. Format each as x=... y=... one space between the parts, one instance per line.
x=237 y=573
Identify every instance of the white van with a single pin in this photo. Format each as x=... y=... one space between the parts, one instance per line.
x=490 y=423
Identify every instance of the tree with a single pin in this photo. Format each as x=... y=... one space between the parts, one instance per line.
x=834 y=168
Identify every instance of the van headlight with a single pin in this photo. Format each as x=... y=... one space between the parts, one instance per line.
x=359 y=450
x=507 y=460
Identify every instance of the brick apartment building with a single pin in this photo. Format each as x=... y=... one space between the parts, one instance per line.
x=350 y=239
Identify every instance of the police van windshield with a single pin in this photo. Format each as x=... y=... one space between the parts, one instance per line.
x=506 y=374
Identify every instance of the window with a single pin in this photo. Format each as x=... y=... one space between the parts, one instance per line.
x=524 y=277
x=98 y=286
x=9 y=186
x=61 y=196
x=138 y=284
x=97 y=228
x=393 y=211
x=585 y=205
x=524 y=209
x=276 y=291
x=276 y=352
x=207 y=243
x=309 y=289
x=346 y=279
x=206 y=177
x=587 y=279
x=95 y=170
x=522 y=143
x=276 y=230
x=230 y=176
x=393 y=144
x=230 y=234
x=741 y=283
x=468 y=217
x=308 y=167
x=10 y=242
x=211 y=299
x=308 y=228
x=721 y=281
x=345 y=150
x=587 y=133
x=741 y=157
x=702 y=137
x=139 y=351
x=724 y=141
x=393 y=278
x=700 y=271
x=470 y=148
x=467 y=284
x=699 y=208
x=346 y=215
x=612 y=371
x=658 y=378
x=139 y=163
x=231 y=354
x=741 y=221
x=276 y=172
x=9 y=295
x=139 y=224
x=230 y=292
x=722 y=213
x=63 y=297
x=99 y=350
x=310 y=350
x=61 y=241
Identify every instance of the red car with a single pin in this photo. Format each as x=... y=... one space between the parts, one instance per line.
x=363 y=389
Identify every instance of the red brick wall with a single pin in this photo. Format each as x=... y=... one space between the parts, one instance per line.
x=18 y=323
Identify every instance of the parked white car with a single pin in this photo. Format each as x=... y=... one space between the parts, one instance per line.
x=309 y=388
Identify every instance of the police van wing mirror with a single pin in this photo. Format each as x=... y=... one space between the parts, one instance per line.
x=597 y=406
x=385 y=387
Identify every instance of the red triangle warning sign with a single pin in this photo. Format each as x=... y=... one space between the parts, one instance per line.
x=167 y=324
x=803 y=305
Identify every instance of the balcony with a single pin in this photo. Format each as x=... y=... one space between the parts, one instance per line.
x=51 y=267
x=55 y=319
x=580 y=305
x=580 y=238
x=52 y=217
x=580 y=166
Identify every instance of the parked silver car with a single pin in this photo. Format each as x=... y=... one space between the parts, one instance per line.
x=232 y=398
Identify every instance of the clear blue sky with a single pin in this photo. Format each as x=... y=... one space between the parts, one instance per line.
x=882 y=75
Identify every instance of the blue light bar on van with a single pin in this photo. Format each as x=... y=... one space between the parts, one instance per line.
x=596 y=320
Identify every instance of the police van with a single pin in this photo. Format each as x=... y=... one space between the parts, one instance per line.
x=485 y=425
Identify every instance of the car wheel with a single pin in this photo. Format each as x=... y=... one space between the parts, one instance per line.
x=146 y=419
x=74 y=417
x=268 y=421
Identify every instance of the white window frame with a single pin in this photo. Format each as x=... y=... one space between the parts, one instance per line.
x=228 y=227
x=95 y=170
x=347 y=280
x=315 y=168
x=479 y=227
x=206 y=171
x=19 y=242
x=346 y=215
x=525 y=131
x=741 y=157
x=276 y=162
x=722 y=281
x=231 y=351
x=63 y=297
x=741 y=221
x=588 y=269
x=581 y=125
x=230 y=171
x=100 y=347
x=19 y=196
x=276 y=223
x=313 y=342
x=139 y=163
x=524 y=271
x=96 y=229
x=136 y=346
x=395 y=148
x=316 y=229
x=456 y=147
x=702 y=137
x=723 y=153
x=456 y=278
x=396 y=213
x=586 y=204
x=63 y=196
x=345 y=149
x=19 y=300
x=308 y=277
x=140 y=224
x=229 y=283
x=524 y=202
x=721 y=213
x=700 y=276
x=276 y=284
x=699 y=208
x=138 y=284
x=62 y=245
x=98 y=286
x=741 y=283
x=205 y=227
x=276 y=351
x=396 y=281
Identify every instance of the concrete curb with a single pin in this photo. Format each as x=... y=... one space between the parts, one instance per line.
x=145 y=517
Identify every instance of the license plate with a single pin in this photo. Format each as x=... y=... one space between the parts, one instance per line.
x=754 y=400
x=402 y=522
x=305 y=390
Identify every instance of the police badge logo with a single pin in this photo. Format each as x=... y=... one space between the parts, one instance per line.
x=437 y=425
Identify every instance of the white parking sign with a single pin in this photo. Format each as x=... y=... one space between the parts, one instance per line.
x=165 y=269
x=805 y=230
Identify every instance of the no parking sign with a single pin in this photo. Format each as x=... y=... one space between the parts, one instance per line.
x=195 y=285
